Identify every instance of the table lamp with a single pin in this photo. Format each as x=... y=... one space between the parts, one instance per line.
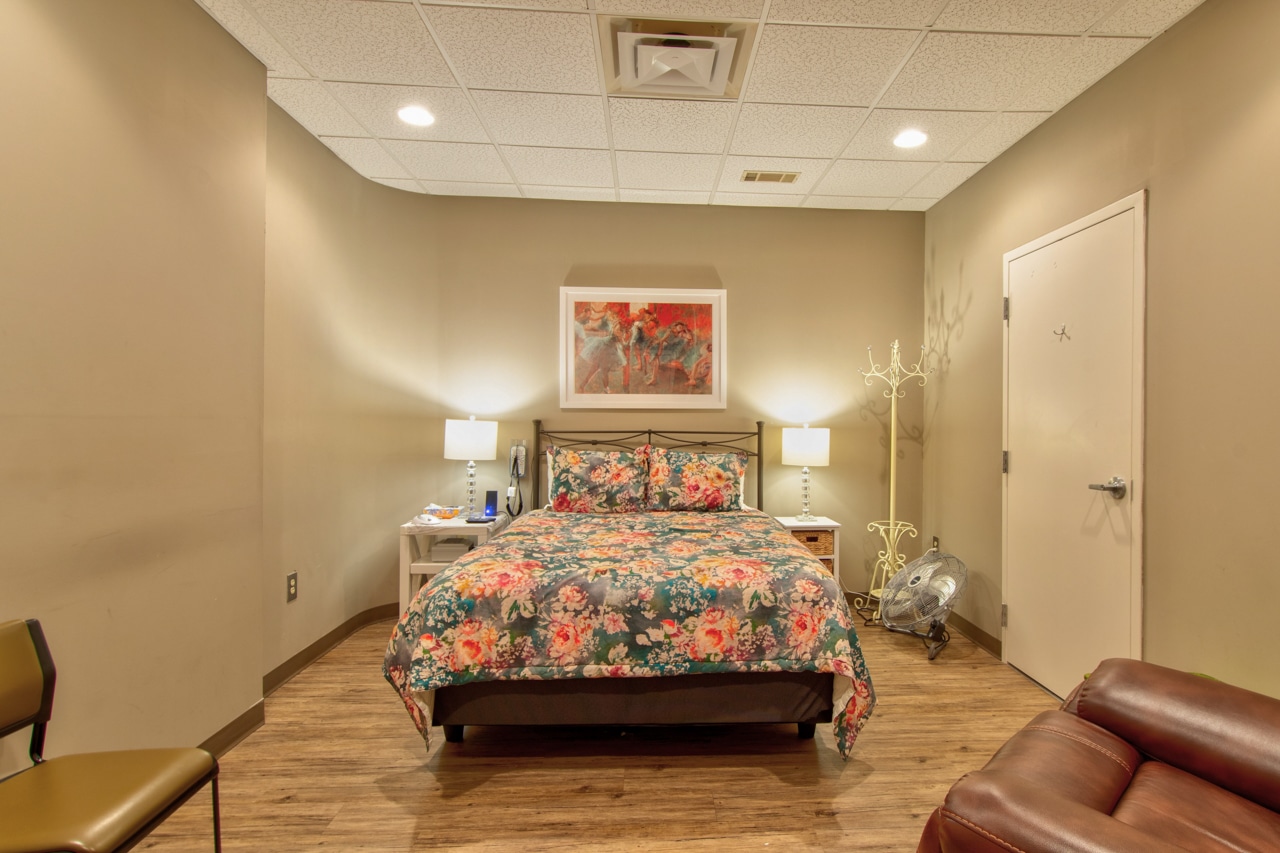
x=470 y=440
x=806 y=447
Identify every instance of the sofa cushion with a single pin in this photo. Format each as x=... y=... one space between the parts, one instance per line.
x=1224 y=734
x=1174 y=806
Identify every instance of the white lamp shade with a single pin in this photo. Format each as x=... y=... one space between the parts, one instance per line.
x=805 y=446
x=470 y=440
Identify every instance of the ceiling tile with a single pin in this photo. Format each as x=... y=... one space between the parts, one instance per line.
x=857 y=13
x=358 y=40
x=376 y=105
x=1020 y=16
x=465 y=188
x=311 y=106
x=918 y=204
x=1079 y=67
x=947 y=131
x=731 y=175
x=683 y=9
x=565 y=5
x=944 y=179
x=532 y=118
x=759 y=199
x=249 y=31
x=571 y=193
x=844 y=202
x=871 y=178
x=450 y=161
x=652 y=171
x=563 y=167
x=1146 y=17
x=366 y=156
x=399 y=184
x=791 y=130
x=525 y=51
x=652 y=124
x=664 y=197
x=825 y=65
x=971 y=71
x=1003 y=131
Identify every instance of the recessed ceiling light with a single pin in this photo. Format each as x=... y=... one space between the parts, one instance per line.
x=417 y=116
x=911 y=139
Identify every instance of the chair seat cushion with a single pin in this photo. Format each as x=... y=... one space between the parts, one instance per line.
x=1188 y=812
x=94 y=802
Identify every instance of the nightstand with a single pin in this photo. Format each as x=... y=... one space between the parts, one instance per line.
x=415 y=549
x=821 y=536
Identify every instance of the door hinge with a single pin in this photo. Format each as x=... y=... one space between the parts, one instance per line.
x=1004 y=616
x=1004 y=462
x=1006 y=309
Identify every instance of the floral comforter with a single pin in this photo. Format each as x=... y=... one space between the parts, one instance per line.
x=576 y=595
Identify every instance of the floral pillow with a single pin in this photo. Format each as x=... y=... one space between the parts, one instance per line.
x=682 y=481
x=596 y=480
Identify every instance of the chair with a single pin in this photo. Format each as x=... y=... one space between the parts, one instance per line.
x=1139 y=758
x=99 y=802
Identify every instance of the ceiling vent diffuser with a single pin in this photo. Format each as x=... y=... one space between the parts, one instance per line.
x=753 y=176
x=683 y=59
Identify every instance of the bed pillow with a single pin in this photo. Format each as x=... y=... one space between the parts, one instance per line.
x=683 y=481
x=596 y=480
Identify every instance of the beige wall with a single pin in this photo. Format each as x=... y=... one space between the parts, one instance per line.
x=1195 y=119
x=808 y=292
x=131 y=285
x=350 y=385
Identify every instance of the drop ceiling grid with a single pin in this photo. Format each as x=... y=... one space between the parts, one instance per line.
x=519 y=92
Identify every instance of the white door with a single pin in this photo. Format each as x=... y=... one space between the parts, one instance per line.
x=1073 y=425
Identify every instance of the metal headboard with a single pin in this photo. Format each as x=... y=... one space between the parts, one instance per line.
x=746 y=442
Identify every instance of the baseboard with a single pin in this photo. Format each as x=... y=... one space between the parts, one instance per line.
x=232 y=733
x=976 y=634
x=272 y=681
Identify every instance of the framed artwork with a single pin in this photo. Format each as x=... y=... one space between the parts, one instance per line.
x=650 y=348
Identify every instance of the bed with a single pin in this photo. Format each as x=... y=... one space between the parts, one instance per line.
x=646 y=593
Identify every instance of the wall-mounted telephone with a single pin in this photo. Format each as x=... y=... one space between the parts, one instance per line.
x=518 y=458
x=517 y=463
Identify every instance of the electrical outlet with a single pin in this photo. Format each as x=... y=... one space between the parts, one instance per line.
x=935 y=543
x=291 y=587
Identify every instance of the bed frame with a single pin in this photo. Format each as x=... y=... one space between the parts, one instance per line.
x=803 y=698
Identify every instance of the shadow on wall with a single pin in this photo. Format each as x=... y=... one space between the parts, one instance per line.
x=943 y=324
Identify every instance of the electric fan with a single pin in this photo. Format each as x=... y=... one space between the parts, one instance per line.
x=919 y=598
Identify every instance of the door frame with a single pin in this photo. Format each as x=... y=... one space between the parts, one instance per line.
x=1137 y=202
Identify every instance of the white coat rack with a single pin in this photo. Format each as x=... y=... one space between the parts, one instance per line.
x=890 y=560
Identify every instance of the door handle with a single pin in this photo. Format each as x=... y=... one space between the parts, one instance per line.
x=1116 y=486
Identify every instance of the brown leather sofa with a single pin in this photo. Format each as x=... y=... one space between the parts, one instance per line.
x=1140 y=758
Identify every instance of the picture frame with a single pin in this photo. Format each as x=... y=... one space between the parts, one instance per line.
x=642 y=348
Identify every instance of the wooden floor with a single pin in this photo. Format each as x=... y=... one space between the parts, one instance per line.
x=338 y=766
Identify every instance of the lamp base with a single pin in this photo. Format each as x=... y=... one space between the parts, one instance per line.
x=805 y=515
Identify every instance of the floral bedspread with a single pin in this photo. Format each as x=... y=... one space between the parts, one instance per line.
x=578 y=595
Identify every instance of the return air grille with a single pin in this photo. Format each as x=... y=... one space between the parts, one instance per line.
x=755 y=177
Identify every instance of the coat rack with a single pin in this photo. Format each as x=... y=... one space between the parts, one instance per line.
x=890 y=560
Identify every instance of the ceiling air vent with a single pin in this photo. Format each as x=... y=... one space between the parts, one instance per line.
x=683 y=59
x=751 y=176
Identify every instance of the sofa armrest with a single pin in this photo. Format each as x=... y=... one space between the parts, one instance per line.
x=1223 y=734
x=995 y=812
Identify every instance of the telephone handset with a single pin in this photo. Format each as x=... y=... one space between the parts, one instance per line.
x=518 y=459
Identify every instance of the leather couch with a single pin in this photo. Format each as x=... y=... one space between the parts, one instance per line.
x=1139 y=758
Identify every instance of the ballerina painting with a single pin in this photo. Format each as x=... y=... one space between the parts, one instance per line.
x=625 y=348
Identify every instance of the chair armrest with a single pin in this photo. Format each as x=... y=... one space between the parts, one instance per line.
x=994 y=812
x=1223 y=734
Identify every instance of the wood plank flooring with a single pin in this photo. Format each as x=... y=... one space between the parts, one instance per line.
x=338 y=766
